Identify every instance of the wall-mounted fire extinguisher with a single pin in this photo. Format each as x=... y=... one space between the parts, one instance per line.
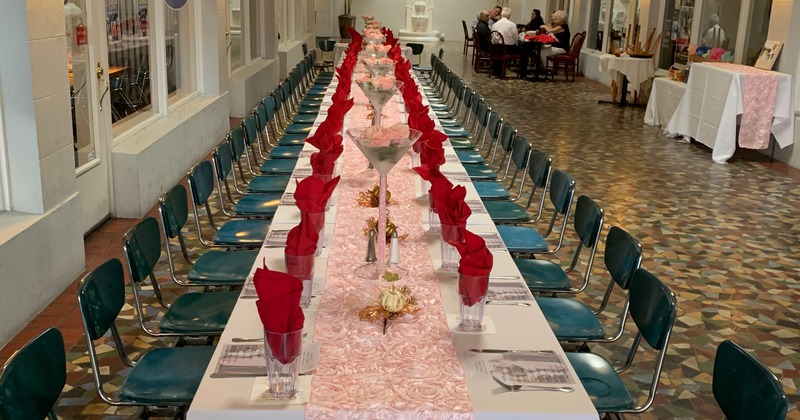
x=81 y=37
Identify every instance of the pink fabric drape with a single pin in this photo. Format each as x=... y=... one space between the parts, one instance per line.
x=759 y=90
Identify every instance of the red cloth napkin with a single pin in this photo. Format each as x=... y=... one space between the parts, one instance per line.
x=476 y=261
x=279 y=309
x=450 y=205
x=302 y=239
x=356 y=38
x=431 y=152
x=323 y=162
x=312 y=194
x=390 y=39
x=544 y=38
x=420 y=120
x=327 y=134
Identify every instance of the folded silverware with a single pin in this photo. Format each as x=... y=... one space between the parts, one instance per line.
x=511 y=387
x=511 y=351
x=507 y=302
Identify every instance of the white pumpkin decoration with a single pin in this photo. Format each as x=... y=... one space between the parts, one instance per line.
x=392 y=300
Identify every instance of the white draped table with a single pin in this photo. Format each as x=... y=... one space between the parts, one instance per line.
x=414 y=389
x=714 y=98
x=664 y=100
x=628 y=72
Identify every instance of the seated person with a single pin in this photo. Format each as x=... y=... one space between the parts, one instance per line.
x=507 y=28
x=484 y=33
x=560 y=30
x=536 y=21
x=494 y=16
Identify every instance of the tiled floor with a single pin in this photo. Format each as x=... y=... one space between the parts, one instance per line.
x=725 y=238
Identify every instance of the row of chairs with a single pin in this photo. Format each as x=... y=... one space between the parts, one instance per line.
x=648 y=301
x=165 y=379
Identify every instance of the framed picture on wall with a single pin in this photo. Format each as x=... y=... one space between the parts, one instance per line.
x=768 y=55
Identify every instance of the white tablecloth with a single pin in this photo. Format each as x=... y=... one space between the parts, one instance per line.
x=713 y=100
x=664 y=100
x=515 y=328
x=637 y=70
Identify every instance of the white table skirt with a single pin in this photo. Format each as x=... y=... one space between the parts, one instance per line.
x=713 y=100
x=664 y=100
x=637 y=70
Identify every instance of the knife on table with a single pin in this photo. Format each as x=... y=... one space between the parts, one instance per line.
x=511 y=351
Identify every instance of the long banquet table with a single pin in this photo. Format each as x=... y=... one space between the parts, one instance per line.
x=421 y=368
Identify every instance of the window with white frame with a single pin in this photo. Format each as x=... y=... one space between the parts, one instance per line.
x=236 y=32
x=179 y=54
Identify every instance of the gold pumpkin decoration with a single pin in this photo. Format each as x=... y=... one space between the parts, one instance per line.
x=392 y=300
x=372 y=198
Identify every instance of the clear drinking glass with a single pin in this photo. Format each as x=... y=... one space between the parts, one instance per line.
x=282 y=350
x=302 y=267
x=450 y=234
x=472 y=290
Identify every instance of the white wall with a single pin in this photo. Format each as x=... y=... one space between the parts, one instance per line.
x=41 y=253
x=447 y=14
x=784 y=26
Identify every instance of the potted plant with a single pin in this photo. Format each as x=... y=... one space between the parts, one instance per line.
x=347 y=20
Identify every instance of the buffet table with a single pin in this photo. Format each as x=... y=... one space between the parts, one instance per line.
x=422 y=367
x=716 y=96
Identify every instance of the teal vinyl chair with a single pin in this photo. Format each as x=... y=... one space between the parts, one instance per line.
x=520 y=158
x=249 y=205
x=572 y=320
x=191 y=314
x=326 y=46
x=165 y=377
x=520 y=239
x=272 y=126
x=32 y=379
x=652 y=309
x=744 y=388
x=213 y=267
x=256 y=183
x=483 y=172
x=544 y=276
x=234 y=233
x=253 y=140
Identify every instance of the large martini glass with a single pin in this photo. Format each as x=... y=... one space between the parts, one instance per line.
x=378 y=90
x=384 y=147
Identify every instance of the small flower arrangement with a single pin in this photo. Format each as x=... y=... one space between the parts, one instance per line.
x=378 y=61
x=367 y=18
x=385 y=83
x=380 y=136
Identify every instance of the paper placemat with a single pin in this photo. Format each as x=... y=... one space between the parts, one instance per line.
x=260 y=393
x=302 y=172
x=457 y=177
x=508 y=290
x=493 y=240
x=476 y=206
x=248 y=358
x=454 y=319
x=519 y=368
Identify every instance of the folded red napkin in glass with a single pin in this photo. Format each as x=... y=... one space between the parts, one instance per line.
x=327 y=135
x=420 y=120
x=279 y=307
x=450 y=204
x=476 y=260
x=355 y=37
x=390 y=39
x=431 y=152
x=302 y=239
x=312 y=194
x=323 y=162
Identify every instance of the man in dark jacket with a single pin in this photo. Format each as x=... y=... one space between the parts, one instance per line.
x=484 y=33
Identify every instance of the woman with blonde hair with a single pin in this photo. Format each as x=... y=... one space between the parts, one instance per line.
x=560 y=30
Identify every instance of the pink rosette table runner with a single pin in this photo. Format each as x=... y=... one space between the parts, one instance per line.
x=412 y=372
x=758 y=104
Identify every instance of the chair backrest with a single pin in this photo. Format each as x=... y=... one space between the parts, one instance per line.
x=623 y=255
x=464 y=25
x=101 y=296
x=174 y=209
x=305 y=48
x=653 y=308
x=416 y=48
x=31 y=381
x=562 y=190
x=201 y=182
x=577 y=44
x=326 y=45
x=744 y=388
x=588 y=221
x=497 y=38
x=539 y=166
x=222 y=158
x=142 y=245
